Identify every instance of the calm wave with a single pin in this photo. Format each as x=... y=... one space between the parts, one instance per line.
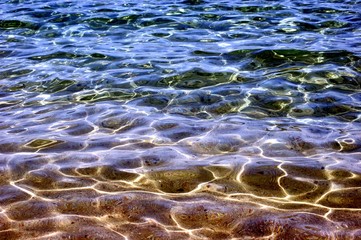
x=180 y=119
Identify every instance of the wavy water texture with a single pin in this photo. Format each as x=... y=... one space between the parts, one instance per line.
x=180 y=119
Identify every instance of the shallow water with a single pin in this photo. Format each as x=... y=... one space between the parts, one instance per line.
x=180 y=119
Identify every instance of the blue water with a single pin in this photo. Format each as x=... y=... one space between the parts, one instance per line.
x=180 y=119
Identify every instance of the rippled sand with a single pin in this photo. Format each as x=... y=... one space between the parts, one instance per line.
x=152 y=176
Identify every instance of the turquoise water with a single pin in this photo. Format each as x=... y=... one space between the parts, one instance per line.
x=180 y=119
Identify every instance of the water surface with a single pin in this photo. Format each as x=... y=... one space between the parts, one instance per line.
x=180 y=119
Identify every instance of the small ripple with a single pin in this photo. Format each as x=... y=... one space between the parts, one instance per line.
x=16 y=24
x=180 y=120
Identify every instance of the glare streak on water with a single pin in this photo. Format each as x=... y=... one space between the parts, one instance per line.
x=180 y=119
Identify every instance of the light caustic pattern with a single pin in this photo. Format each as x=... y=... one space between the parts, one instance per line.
x=180 y=119
x=153 y=176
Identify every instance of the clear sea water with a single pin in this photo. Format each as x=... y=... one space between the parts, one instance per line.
x=180 y=119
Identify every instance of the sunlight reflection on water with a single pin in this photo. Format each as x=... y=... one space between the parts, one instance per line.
x=180 y=120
